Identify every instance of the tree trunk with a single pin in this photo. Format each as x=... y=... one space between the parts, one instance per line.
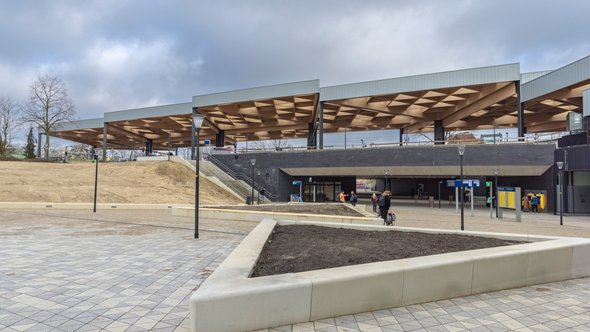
x=46 y=146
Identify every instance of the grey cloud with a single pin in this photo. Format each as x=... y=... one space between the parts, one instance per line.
x=184 y=48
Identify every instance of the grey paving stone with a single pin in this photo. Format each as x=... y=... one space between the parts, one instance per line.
x=97 y=280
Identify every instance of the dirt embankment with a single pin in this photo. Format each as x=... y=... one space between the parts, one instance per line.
x=130 y=182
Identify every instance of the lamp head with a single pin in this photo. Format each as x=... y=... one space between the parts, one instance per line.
x=559 y=165
x=198 y=120
x=461 y=149
x=253 y=162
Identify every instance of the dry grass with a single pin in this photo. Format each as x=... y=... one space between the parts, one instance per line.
x=130 y=182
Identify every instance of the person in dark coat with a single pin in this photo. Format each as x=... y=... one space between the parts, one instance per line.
x=384 y=204
x=353 y=198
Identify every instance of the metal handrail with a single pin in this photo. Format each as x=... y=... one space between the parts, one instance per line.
x=539 y=139
x=240 y=176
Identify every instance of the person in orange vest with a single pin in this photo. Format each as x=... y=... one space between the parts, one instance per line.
x=341 y=197
x=526 y=206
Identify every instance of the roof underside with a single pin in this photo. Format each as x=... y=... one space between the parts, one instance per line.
x=459 y=108
x=549 y=112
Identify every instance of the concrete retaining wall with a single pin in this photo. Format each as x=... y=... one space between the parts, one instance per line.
x=256 y=303
x=86 y=206
x=256 y=216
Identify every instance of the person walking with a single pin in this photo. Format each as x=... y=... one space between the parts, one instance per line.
x=374 y=200
x=384 y=205
x=353 y=198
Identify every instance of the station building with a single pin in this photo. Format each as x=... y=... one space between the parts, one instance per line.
x=554 y=104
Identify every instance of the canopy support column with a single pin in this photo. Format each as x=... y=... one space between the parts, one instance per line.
x=220 y=139
x=439 y=132
x=520 y=111
x=321 y=125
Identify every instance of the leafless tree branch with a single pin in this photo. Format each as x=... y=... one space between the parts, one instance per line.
x=49 y=104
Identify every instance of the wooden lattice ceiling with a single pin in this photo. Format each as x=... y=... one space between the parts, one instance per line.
x=286 y=117
x=460 y=108
x=175 y=130
x=470 y=107
x=549 y=112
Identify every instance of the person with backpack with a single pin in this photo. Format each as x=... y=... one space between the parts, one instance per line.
x=535 y=201
x=384 y=204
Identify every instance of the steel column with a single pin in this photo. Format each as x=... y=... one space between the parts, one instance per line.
x=321 y=125
x=439 y=132
x=520 y=111
x=220 y=139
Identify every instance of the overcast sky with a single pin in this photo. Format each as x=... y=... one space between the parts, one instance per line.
x=119 y=54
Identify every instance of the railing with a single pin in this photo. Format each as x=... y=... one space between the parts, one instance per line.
x=533 y=139
x=241 y=176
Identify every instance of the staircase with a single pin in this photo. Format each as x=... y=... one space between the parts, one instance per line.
x=237 y=183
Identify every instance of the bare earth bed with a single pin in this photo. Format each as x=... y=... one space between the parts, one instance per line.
x=322 y=209
x=298 y=248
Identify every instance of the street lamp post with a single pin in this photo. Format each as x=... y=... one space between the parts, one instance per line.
x=95 y=179
x=386 y=180
x=461 y=195
x=197 y=123
x=253 y=162
x=561 y=207
x=496 y=191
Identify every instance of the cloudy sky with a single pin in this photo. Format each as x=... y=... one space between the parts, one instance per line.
x=117 y=54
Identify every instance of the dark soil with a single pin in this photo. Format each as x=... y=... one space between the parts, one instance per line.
x=323 y=209
x=298 y=248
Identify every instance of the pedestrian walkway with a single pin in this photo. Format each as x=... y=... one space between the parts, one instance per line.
x=109 y=271
x=558 y=306
x=135 y=270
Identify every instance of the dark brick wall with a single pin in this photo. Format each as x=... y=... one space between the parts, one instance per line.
x=268 y=167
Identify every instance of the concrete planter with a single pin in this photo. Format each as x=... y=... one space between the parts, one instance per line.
x=231 y=301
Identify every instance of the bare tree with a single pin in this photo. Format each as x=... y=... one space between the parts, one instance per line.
x=271 y=145
x=48 y=105
x=82 y=151
x=8 y=123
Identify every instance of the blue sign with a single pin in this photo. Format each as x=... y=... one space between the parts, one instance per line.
x=506 y=188
x=467 y=183
x=296 y=183
x=207 y=142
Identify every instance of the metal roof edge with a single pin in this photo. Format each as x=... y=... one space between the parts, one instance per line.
x=446 y=79
x=560 y=78
x=533 y=75
x=78 y=125
x=258 y=93
x=148 y=112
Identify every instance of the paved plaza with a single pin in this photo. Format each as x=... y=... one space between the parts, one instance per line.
x=135 y=270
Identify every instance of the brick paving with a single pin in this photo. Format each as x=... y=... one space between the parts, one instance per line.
x=73 y=274
x=135 y=270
